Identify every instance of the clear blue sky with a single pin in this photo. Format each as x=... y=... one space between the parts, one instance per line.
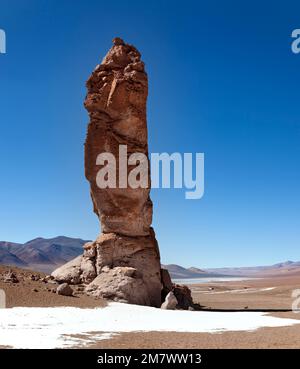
x=223 y=81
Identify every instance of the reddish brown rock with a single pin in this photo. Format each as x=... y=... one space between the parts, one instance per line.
x=116 y=103
x=183 y=295
x=123 y=264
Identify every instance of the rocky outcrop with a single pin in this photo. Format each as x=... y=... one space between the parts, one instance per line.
x=116 y=103
x=182 y=293
x=69 y=272
x=123 y=264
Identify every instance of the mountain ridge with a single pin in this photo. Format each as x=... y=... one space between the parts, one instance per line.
x=41 y=254
x=46 y=254
x=179 y=272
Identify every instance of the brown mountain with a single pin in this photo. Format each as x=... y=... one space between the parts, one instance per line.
x=45 y=255
x=41 y=254
x=8 y=258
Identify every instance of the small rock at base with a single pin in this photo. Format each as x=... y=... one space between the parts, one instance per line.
x=64 y=290
x=10 y=277
x=170 y=302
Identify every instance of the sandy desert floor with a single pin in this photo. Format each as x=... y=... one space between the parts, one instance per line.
x=39 y=294
x=270 y=295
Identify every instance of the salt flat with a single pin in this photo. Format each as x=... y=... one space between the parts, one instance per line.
x=23 y=327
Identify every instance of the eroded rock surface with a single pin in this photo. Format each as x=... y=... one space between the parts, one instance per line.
x=116 y=103
x=123 y=264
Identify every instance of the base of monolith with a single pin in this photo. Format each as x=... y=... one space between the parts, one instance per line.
x=117 y=268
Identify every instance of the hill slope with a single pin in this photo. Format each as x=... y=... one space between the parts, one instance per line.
x=45 y=255
x=41 y=254
x=276 y=270
x=179 y=272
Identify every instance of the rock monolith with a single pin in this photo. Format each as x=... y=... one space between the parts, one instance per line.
x=123 y=263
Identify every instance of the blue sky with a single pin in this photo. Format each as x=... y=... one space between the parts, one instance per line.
x=223 y=81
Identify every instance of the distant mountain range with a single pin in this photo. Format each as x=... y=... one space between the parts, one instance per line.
x=41 y=254
x=45 y=255
x=179 y=272
x=288 y=267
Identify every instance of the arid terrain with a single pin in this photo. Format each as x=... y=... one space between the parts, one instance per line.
x=37 y=293
x=270 y=295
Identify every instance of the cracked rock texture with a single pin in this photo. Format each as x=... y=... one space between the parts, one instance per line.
x=123 y=263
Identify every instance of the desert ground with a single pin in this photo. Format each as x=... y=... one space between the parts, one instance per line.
x=37 y=293
x=271 y=295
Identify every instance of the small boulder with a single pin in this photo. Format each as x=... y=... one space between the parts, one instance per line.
x=10 y=277
x=70 y=272
x=64 y=290
x=34 y=277
x=122 y=284
x=183 y=295
x=170 y=302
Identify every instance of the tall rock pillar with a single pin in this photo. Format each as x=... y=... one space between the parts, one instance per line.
x=123 y=264
x=126 y=254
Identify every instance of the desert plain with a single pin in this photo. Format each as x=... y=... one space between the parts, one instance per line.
x=270 y=294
